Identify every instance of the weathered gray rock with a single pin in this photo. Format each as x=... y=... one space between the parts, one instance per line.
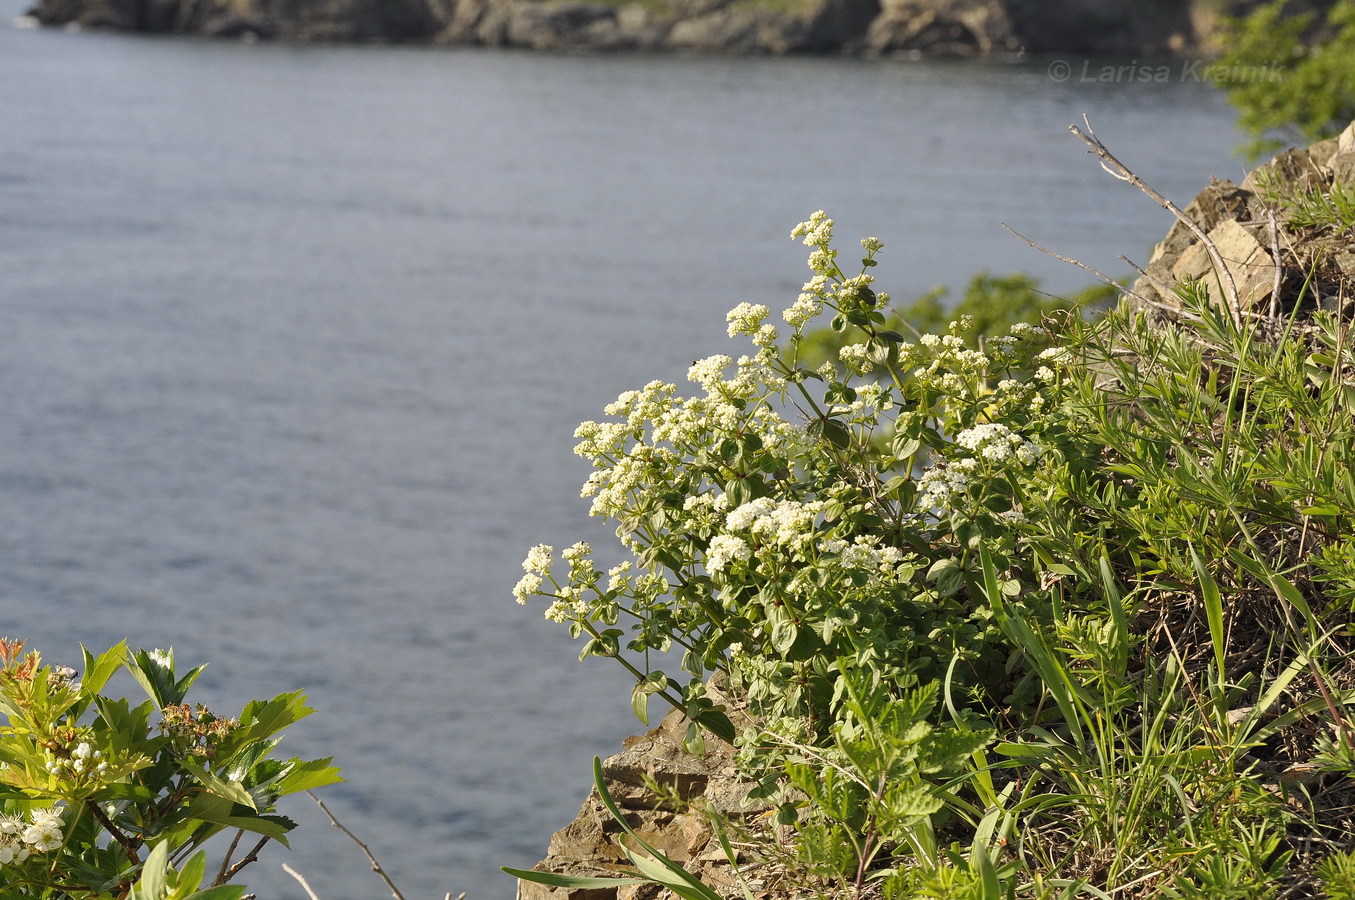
x=955 y=28
x=1247 y=232
x=668 y=820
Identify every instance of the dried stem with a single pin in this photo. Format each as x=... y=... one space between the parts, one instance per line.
x=250 y=857
x=376 y=866
x=127 y=843
x=297 y=875
x=1279 y=263
x=1122 y=172
x=1104 y=278
x=222 y=875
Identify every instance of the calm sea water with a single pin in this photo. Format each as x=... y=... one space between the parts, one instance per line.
x=293 y=341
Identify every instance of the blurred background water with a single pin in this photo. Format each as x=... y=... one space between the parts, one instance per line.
x=293 y=341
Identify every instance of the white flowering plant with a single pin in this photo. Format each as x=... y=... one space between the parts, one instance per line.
x=789 y=525
x=100 y=798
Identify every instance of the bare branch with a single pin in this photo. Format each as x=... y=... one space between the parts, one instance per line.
x=1104 y=278
x=1176 y=312
x=297 y=875
x=252 y=856
x=221 y=876
x=1122 y=172
x=376 y=866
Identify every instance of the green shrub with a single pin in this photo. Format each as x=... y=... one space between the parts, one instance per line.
x=1313 y=96
x=1067 y=615
x=103 y=799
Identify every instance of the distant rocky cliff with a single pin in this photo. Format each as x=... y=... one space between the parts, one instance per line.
x=931 y=27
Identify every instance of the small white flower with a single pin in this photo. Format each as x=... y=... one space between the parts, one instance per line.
x=746 y=318
x=709 y=372
x=538 y=559
x=742 y=518
x=560 y=611
x=528 y=585
x=724 y=549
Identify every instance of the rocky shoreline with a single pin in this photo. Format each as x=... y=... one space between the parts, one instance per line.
x=964 y=28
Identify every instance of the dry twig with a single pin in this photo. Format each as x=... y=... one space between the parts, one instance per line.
x=376 y=866
x=1104 y=278
x=297 y=875
x=1123 y=173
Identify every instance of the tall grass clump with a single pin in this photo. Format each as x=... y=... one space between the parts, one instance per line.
x=1063 y=612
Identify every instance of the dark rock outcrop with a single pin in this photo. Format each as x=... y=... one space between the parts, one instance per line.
x=926 y=27
x=297 y=20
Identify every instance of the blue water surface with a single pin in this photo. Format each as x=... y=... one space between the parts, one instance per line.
x=293 y=341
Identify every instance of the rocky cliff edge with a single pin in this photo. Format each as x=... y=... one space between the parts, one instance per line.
x=922 y=27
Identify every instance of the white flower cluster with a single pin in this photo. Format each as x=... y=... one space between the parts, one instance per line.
x=724 y=549
x=83 y=760
x=20 y=838
x=636 y=457
x=864 y=554
x=709 y=372
x=996 y=442
x=809 y=304
x=817 y=232
x=942 y=485
x=856 y=358
x=747 y=319
x=537 y=564
x=786 y=523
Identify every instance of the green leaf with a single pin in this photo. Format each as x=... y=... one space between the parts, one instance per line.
x=154 y=883
x=784 y=633
x=948 y=576
x=574 y=882
x=639 y=704
x=227 y=790
x=307 y=775
x=1213 y=610
x=99 y=669
x=220 y=892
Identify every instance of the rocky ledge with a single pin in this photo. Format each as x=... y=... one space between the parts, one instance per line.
x=1269 y=257
x=924 y=27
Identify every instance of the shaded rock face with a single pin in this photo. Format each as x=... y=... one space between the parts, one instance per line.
x=300 y=20
x=951 y=28
x=1102 y=26
x=1259 y=251
x=927 y=27
x=588 y=846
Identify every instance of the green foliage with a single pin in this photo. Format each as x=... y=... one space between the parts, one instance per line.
x=993 y=303
x=1286 y=81
x=160 y=881
x=1338 y=876
x=873 y=789
x=1311 y=207
x=1056 y=614
x=89 y=781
